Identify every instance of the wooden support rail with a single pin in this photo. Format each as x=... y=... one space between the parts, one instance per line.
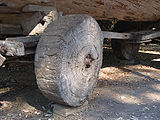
x=135 y=36
x=9 y=48
x=28 y=41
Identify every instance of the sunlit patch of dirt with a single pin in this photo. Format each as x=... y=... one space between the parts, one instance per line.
x=122 y=88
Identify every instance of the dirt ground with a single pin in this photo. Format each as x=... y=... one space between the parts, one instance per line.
x=124 y=91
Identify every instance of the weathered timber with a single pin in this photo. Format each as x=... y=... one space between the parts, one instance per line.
x=19 y=61
x=47 y=19
x=28 y=41
x=70 y=54
x=135 y=37
x=116 y=35
x=140 y=41
x=135 y=10
x=29 y=24
x=9 y=29
x=127 y=45
x=10 y=48
x=149 y=35
x=36 y=8
x=36 y=24
x=2 y=59
x=140 y=36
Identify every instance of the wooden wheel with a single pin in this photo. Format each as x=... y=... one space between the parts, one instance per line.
x=68 y=59
x=124 y=50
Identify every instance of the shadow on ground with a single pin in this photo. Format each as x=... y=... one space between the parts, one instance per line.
x=18 y=86
x=125 y=90
x=148 y=57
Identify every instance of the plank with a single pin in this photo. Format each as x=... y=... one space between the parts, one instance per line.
x=28 y=41
x=116 y=35
x=135 y=10
x=154 y=34
x=9 y=29
x=29 y=24
x=137 y=36
x=36 y=24
x=47 y=19
x=10 y=48
x=38 y=8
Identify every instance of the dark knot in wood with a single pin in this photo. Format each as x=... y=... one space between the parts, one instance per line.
x=88 y=61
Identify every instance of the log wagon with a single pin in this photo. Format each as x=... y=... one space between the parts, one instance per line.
x=68 y=47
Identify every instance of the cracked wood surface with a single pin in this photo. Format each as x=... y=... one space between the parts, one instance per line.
x=135 y=10
x=10 y=48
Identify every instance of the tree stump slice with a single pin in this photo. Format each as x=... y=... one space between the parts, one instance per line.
x=68 y=59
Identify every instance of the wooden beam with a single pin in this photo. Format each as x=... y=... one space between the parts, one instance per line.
x=29 y=24
x=141 y=36
x=38 y=8
x=10 y=48
x=9 y=29
x=47 y=19
x=139 y=41
x=134 y=10
x=28 y=41
x=36 y=24
x=150 y=35
x=116 y=35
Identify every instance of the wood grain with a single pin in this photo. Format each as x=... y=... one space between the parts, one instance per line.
x=135 y=10
x=68 y=59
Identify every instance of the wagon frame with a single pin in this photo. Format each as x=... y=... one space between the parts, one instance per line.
x=40 y=26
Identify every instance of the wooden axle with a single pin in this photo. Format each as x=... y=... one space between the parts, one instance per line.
x=135 y=37
x=15 y=46
x=28 y=41
x=9 y=48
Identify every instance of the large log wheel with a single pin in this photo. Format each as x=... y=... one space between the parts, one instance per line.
x=68 y=59
x=124 y=50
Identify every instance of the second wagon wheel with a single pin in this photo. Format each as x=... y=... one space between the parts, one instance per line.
x=68 y=59
x=124 y=50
